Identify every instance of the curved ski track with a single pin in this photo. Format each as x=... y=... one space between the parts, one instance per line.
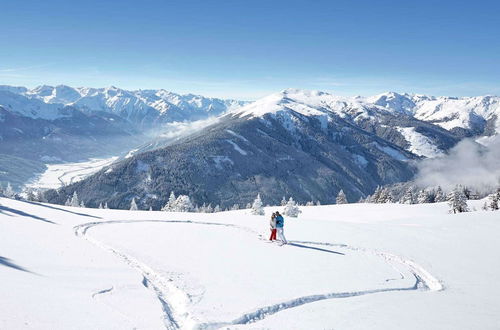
x=174 y=301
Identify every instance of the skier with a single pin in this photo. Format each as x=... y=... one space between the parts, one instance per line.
x=272 y=223
x=280 y=222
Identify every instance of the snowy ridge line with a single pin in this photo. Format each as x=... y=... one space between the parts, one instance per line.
x=178 y=307
x=427 y=279
x=102 y=292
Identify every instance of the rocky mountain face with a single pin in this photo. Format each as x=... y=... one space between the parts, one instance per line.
x=304 y=144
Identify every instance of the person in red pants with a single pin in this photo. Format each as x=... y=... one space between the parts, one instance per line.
x=272 y=223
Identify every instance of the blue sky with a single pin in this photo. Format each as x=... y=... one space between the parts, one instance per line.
x=248 y=49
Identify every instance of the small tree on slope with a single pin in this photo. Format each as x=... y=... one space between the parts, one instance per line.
x=457 y=200
x=183 y=204
x=292 y=209
x=423 y=197
x=440 y=196
x=9 y=192
x=74 y=200
x=407 y=197
x=257 y=206
x=133 y=205
x=170 y=206
x=341 y=198
x=494 y=200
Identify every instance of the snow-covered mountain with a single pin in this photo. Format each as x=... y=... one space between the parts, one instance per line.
x=62 y=123
x=305 y=144
x=139 y=106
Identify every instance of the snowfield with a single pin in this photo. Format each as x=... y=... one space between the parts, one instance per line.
x=58 y=175
x=353 y=266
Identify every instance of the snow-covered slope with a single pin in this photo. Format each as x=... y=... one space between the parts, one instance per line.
x=354 y=266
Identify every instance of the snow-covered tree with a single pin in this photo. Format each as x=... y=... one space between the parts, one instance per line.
x=183 y=204
x=170 y=206
x=292 y=209
x=100 y=206
x=235 y=207
x=466 y=192
x=150 y=208
x=106 y=207
x=257 y=208
x=75 y=202
x=493 y=201
x=248 y=206
x=9 y=192
x=310 y=203
x=375 y=197
x=40 y=196
x=82 y=204
x=423 y=197
x=283 y=201
x=341 y=198
x=439 y=196
x=318 y=203
x=217 y=208
x=133 y=205
x=68 y=202
x=30 y=195
x=457 y=200
x=408 y=197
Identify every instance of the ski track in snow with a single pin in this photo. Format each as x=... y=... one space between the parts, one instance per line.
x=174 y=301
x=102 y=292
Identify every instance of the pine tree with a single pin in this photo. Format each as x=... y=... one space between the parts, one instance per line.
x=407 y=198
x=341 y=198
x=283 y=201
x=150 y=208
x=100 y=206
x=68 y=202
x=440 y=196
x=376 y=195
x=235 y=207
x=74 y=200
x=217 y=208
x=493 y=201
x=423 y=197
x=292 y=209
x=9 y=192
x=183 y=204
x=318 y=203
x=170 y=206
x=257 y=208
x=310 y=203
x=82 y=204
x=40 y=196
x=30 y=195
x=457 y=200
x=133 y=205
x=106 y=207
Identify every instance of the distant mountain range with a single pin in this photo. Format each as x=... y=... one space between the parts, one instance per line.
x=305 y=144
x=55 y=124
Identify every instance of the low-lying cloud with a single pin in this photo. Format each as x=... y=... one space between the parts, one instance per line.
x=468 y=163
